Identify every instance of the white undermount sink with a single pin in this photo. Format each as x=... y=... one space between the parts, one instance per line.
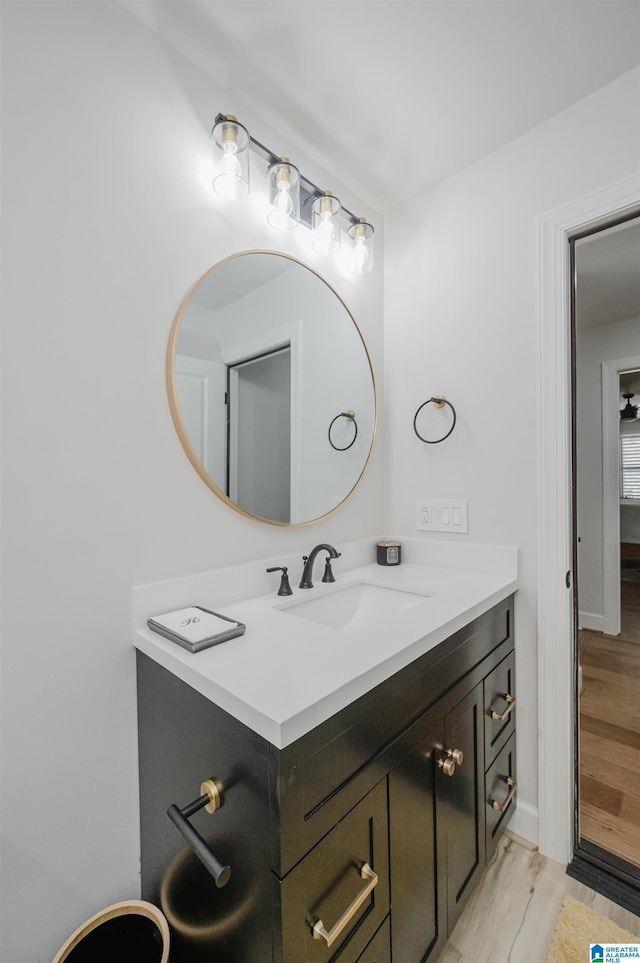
x=354 y=606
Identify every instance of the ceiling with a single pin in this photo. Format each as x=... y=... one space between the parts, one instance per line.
x=233 y=278
x=396 y=95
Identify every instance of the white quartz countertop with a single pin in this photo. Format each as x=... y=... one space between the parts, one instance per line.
x=286 y=675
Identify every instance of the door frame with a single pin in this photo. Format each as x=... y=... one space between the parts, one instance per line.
x=556 y=647
x=233 y=423
x=289 y=335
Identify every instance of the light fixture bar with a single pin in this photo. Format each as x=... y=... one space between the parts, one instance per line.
x=308 y=190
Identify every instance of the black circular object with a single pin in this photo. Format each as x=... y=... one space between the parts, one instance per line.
x=128 y=939
x=436 y=401
x=343 y=414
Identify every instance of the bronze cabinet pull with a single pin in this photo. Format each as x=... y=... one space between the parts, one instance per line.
x=319 y=931
x=513 y=785
x=511 y=702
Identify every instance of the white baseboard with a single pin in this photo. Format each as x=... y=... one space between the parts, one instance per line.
x=524 y=822
x=591 y=620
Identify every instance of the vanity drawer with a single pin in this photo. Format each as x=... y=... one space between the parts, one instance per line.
x=499 y=708
x=341 y=887
x=379 y=949
x=500 y=788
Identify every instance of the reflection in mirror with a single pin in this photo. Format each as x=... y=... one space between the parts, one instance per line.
x=262 y=357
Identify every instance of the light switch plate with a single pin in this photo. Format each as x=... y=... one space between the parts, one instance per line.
x=442 y=515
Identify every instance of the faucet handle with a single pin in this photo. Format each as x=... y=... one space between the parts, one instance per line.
x=285 y=588
x=328 y=574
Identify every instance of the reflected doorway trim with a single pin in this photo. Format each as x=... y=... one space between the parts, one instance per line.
x=289 y=335
x=556 y=663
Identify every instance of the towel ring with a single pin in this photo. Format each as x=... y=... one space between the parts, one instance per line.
x=350 y=416
x=439 y=401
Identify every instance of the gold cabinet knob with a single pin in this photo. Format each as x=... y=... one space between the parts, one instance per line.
x=448 y=766
x=450 y=759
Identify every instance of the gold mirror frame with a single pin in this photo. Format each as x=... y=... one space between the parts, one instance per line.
x=177 y=415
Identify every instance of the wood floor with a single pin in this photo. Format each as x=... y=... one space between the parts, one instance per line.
x=512 y=915
x=610 y=734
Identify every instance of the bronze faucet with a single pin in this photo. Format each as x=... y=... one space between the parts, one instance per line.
x=308 y=560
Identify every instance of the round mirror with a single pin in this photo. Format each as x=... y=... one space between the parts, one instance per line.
x=271 y=388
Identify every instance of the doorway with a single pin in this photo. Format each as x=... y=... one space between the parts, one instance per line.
x=606 y=361
x=258 y=450
x=557 y=667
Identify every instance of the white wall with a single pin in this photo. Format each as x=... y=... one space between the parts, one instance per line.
x=604 y=342
x=461 y=319
x=108 y=219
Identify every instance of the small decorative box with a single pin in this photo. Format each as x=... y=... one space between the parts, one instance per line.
x=196 y=628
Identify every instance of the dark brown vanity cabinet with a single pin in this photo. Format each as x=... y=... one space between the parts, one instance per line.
x=359 y=843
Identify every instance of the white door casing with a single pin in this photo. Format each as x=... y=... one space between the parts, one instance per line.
x=259 y=455
x=556 y=699
x=291 y=335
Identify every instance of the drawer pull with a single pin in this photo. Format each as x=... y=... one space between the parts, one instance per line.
x=513 y=785
x=319 y=931
x=511 y=702
x=210 y=800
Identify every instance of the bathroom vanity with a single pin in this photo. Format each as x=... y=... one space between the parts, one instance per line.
x=355 y=828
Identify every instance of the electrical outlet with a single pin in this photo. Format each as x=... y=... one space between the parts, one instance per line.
x=442 y=515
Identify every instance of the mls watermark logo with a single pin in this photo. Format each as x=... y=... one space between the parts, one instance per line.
x=614 y=952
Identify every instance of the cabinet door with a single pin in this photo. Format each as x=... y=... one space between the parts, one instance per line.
x=418 y=917
x=461 y=815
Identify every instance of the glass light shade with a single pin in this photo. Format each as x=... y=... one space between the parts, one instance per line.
x=361 y=254
x=231 y=159
x=284 y=194
x=325 y=214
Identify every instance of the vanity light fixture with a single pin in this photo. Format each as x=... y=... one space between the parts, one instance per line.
x=293 y=198
x=326 y=223
x=231 y=148
x=284 y=193
x=361 y=255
